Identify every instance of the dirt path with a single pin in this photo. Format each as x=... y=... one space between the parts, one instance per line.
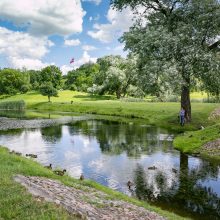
x=87 y=203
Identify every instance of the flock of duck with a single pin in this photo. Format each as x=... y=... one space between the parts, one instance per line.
x=57 y=172
x=62 y=172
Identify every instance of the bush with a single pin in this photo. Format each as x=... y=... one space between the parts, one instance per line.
x=24 y=88
x=12 y=105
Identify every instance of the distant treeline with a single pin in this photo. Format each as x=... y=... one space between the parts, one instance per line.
x=114 y=75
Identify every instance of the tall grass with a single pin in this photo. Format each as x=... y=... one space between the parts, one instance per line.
x=12 y=105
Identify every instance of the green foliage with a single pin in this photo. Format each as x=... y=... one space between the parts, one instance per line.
x=115 y=76
x=82 y=78
x=25 y=88
x=51 y=74
x=13 y=81
x=12 y=105
x=48 y=90
x=35 y=79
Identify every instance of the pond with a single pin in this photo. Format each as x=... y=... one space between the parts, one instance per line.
x=113 y=153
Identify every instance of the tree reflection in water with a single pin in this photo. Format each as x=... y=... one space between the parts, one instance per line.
x=185 y=195
x=52 y=134
x=115 y=138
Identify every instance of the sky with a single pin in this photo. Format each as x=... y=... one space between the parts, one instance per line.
x=34 y=34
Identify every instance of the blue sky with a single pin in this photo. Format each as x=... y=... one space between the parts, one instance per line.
x=34 y=34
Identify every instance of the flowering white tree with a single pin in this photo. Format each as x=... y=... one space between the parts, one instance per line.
x=115 y=75
x=178 y=34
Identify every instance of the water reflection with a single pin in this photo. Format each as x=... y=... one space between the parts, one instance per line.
x=112 y=153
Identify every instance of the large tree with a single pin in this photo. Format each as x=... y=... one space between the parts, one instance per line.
x=115 y=75
x=51 y=74
x=48 y=90
x=178 y=34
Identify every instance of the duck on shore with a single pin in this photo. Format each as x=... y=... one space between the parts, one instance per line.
x=60 y=172
x=49 y=167
x=31 y=155
x=16 y=153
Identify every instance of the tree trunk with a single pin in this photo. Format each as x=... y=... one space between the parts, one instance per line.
x=48 y=98
x=185 y=102
x=118 y=94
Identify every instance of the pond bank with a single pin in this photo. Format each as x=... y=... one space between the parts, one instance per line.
x=203 y=142
x=86 y=204
x=9 y=123
x=16 y=202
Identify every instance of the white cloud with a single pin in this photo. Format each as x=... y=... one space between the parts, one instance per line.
x=97 y=2
x=22 y=49
x=65 y=69
x=119 y=22
x=96 y=18
x=88 y=47
x=72 y=42
x=44 y=17
x=86 y=58
x=27 y=63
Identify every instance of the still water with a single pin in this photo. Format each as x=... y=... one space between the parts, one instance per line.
x=112 y=153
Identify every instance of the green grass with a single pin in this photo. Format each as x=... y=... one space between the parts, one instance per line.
x=160 y=114
x=191 y=142
x=65 y=96
x=17 y=203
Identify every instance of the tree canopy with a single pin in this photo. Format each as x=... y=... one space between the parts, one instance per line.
x=179 y=36
x=13 y=81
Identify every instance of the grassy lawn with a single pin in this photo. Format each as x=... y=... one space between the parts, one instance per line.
x=160 y=114
x=16 y=203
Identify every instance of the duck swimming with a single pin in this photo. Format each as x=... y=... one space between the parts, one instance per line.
x=152 y=168
x=129 y=184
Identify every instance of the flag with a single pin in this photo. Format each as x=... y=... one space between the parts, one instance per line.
x=72 y=61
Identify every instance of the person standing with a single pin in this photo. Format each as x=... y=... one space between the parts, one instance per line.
x=182 y=116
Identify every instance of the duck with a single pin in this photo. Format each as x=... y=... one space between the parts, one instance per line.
x=174 y=170
x=12 y=152
x=152 y=168
x=49 y=167
x=31 y=155
x=60 y=172
x=81 y=177
x=16 y=153
x=129 y=184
